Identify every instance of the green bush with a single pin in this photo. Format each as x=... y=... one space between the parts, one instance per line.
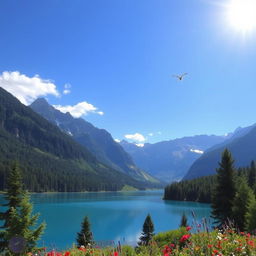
x=169 y=237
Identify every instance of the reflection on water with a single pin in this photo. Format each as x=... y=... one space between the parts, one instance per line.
x=114 y=216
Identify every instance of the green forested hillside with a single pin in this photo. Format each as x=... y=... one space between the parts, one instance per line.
x=200 y=189
x=98 y=141
x=51 y=160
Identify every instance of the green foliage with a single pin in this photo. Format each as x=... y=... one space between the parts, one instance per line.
x=84 y=237
x=18 y=219
x=243 y=197
x=224 y=191
x=199 y=190
x=252 y=175
x=184 y=221
x=180 y=243
x=169 y=237
x=128 y=250
x=147 y=231
x=251 y=216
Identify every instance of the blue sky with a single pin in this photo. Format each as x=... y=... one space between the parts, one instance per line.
x=120 y=57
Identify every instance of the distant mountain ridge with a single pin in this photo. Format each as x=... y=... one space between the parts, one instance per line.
x=51 y=160
x=170 y=160
x=98 y=141
x=242 y=146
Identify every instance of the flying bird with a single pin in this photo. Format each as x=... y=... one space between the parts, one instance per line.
x=180 y=77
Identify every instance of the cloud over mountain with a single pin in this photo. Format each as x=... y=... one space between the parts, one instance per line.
x=135 y=137
x=80 y=109
x=25 y=88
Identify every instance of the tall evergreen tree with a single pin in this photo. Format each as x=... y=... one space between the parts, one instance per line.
x=84 y=237
x=147 y=231
x=243 y=197
x=252 y=175
x=13 y=199
x=17 y=219
x=184 y=221
x=250 y=217
x=224 y=191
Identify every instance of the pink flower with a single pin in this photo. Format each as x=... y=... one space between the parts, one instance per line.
x=188 y=228
x=185 y=238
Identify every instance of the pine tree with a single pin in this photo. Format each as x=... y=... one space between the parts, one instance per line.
x=224 y=191
x=250 y=217
x=241 y=202
x=13 y=197
x=252 y=175
x=17 y=219
x=147 y=231
x=84 y=237
x=184 y=221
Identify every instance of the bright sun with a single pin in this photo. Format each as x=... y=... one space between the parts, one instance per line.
x=242 y=14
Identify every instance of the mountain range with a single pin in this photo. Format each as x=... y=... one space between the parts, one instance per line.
x=51 y=160
x=61 y=153
x=170 y=160
x=98 y=141
x=242 y=146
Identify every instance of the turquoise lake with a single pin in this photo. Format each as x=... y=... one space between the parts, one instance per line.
x=114 y=216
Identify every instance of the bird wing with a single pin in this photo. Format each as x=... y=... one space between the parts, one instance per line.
x=184 y=74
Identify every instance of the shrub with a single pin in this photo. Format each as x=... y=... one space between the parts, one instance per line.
x=170 y=237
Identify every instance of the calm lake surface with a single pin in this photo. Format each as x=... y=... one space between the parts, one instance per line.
x=114 y=216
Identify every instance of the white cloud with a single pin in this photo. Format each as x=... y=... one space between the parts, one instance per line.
x=100 y=113
x=67 y=89
x=25 y=88
x=80 y=109
x=141 y=145
x=151 y=134
x=197 y=151
x=117 y=140
x=135 y=137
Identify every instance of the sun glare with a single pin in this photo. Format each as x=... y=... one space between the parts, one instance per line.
x=242 y=14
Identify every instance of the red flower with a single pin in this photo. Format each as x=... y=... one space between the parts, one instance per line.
x=67 y=254
x=53 y=253
x=82 y=248
x=185 y=238
x=115 y=253
x=188 y=228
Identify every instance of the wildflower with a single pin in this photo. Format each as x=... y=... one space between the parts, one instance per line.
x=185 y=238
x=188 y=228
x=82 y=248
x=250 y=242
x=209 y=245
x=197 y=248
x=67 y=254
x=115 y=253
x=215 y=252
